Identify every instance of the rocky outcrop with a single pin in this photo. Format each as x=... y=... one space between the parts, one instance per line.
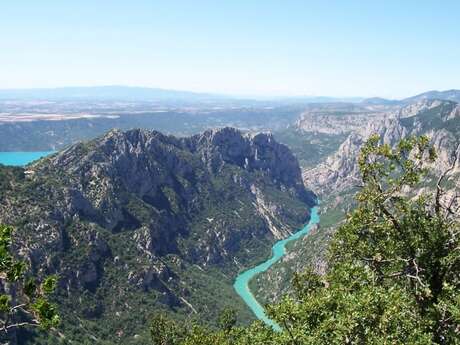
x=251 y=152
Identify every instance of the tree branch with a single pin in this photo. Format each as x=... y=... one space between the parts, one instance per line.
x=20 y=324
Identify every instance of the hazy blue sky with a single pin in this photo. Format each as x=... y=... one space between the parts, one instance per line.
x=286 y=47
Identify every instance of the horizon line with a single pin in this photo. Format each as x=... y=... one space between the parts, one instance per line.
x=238 y=95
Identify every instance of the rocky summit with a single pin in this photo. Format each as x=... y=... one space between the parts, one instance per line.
x=138 y=222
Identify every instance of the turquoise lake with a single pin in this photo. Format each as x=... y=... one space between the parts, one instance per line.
x=21 y=158
x=241 y=284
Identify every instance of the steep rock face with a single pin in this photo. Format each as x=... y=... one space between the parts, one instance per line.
x=253 y=152
x=151 y=216
x=342 y=118
x=439 y=120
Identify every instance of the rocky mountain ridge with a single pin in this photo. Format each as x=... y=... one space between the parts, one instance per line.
x=141 y=220
x=340 y=118
x=439 y=120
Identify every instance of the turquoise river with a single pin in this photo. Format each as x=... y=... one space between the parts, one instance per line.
x=241 y=284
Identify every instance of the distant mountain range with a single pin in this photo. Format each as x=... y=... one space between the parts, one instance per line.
x=131 y=93
x=134 y=93
x=125 y=93
x=380 y=101
x=448 y=95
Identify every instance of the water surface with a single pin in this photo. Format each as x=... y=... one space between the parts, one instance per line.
x=241 y=284
x=21 y=158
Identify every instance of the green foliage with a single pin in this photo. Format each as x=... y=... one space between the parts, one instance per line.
x=46 y=313
x=27 y=305
x=9 y=176
x=4 y=303
x=227 y=320
x=49 y=284
x=394 y=267
x=309 y=148
x=165 y=331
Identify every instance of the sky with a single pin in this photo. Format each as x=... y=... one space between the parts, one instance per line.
x=344 y=48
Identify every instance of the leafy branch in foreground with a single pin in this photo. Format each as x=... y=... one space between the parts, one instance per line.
x=23 y=301
x=394 y=266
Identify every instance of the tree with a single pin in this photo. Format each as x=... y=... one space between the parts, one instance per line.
x=24 y=301
x=394 y=266
x=165 y=331
x=227 y=320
